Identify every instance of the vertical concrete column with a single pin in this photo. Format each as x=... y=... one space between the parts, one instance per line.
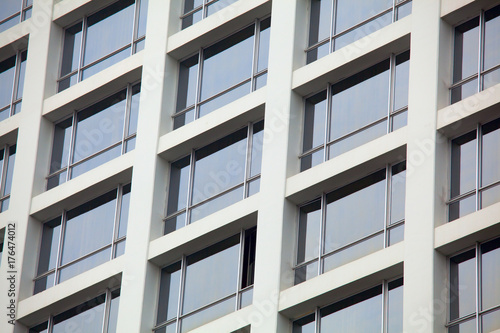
x=276 y=216
x=139 y=277
x=424 y=269
x=32 y=136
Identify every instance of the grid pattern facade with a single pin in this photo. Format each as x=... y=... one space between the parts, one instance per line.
x=291 y=166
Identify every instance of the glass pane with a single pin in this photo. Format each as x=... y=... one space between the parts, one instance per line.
x=465 y=327
x=257 y=143
x=227 y=63
x=192 y=19
x=305 y=325
x=7 y=71
x=491 y=322
x=215 y=7
x=188 y=73
x=211 y=274
x=265 y=33
x=113 y=311
x=178 y=186
x=89 y=227
x=224 y=99
x=360 y=100
x=8 y=8
x=404 y=10
x=71 y=49
x=10 y=170
x=171 y=328
x=95 y=161
x=4 y=114
x=491 y=37
x=314 y=121
x=355 y=211
x=490 y=166
x=490 y=196
x=401 y=80
x=398 y=192
x=94 y=69
x=462 y=207
x=399 y=120
x=358 y=139
x=66 y=83
x=134 y=109
x=27 y=13
x=169 y=292
x=189 y=5
x=396 y=234
x=207 y=315
x=463 y=91
x=22 y=71
x=183 y=119
x=349 y=13
x=174 y=223
x=85 y=264
x=130 y=145
x=311 y=160
x=56 y=180
x=306 y=272
x=42 y=328
x=490 y=271
x=44 y=283
x=143 y=15
x=362 y=31
x=359 y=313
x=60 y=145
x=99 y=126
x=86 y=317
x=219 y=166
x=119 y=249
x=395 y=307
x=462 y=285
x=108 y=30
x=9 y=24
x=354 y=252
x=318 y=52
x=491 y=79
x=253 y=187
x=463 y=164
x=49 y=246
x=466 y=50
x=246 y=298
x=216 y=204
x=122 y=228
x=309 y=232
x=321 y=14
x=260 y=81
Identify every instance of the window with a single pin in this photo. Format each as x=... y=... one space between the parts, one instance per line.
x=356 y=110
x=207 y=285
x=14 y=11
x=223 y=72
x=83 y=238
x=99 y=315
x=94 y=136
x=337 y=23
x=379 y=309
x=475 y=174
x=196 y=10
x=214 y=177
x=351 y=222
x=102 y=39
x=7 y=161
x=474 y=292
x=476 y=64
x=11 y=84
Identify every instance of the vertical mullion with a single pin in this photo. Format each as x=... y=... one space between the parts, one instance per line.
x=328 y=116
x=333 y=21
x=240 y=269
x=118 y=206
x=388 y=199
x=3 y=179
x=392 y=87
x=248 y=159
x=135 y=25
x=317 y=318
x=385 y=302
x=480 y=53
x=72 y=145
x=181 y=293
x=479 y=137
x=79 y=74
x=50 y=323
x=60 y=247
x=198 y=83
x=126 y=117
x=255 y=53
x=107 y=308
x=394 y=15
x=478 y=289
x=190 y=188
x=322 y=236
x=17 y=70
x=203 y=9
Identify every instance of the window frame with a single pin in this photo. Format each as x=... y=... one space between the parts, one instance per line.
x=330 y=40
x=320 y=257
x=477 y=315
x=112 y=244
x=24 y=13
x=4 y=174
x=237 y=294
x=15 y=102
x=256 y=74
x=385 y=301
x=247 y=179
x=327 y=131
x=123 y=143
x=480 y=72
x=133 y=45
x=203 y=8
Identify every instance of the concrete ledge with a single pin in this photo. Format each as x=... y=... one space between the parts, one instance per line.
x=463 y=116
x=458 y=11
x=8 y=129
x=466 y=231
x=216 y=26
x=213 y=126
x=73 y=292
x=205 y=232
x=98 y=86
x=342 y=282
x=353 y=58
x=83 y=188
x=15 y=38
x=348 y=167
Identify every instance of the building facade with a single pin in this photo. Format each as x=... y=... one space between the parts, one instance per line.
x=297 y=166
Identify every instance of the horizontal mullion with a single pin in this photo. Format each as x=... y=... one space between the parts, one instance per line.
x=109 y=55
x=461 y=320
x=399 y=111
x=464 y=81
x=356 y=131
x=95 y=154
x=216 y=196
x=191 y=12
x=67 y=76
x=356 y=242
x=58 y=172
x=220 y=300
x=251 y=179
x=183 y=111
x=487 y=187
x=491 y=69
x=165 y=323
x=10 y=17
x=45 y=274
x=317 y=44
x=395 y=224
x=74 y=261
x=177 y=213
x=224 y=91
x=461 y=196
x=354 y=27
x=312 y=150
x=305 y=263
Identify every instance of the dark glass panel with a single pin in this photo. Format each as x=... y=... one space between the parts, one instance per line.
x=318 y=52
x=463 y=207
x=42 y=328
x=401 y=79
x=311 y=160
x=22 y=71
x=95 y=161
x=217 y=204
x=463 y=164
x=306 y=272
x=7 y=72
x=49 y=246
x=305 y=325
x=320 y=20
x=188 y=73
x=463 y=91
x=169 y=292
x=362 y=31
x=466 y=50
x=192 y=19
x=491 y=37
x=314 y=121
x=174 y=223
x=248 y=268
x=224 y=99
x=395 y=307
x=398 y=192
x=134 y=109
x=113 y=311
x=71 y=49
x=309 y=231
x=462 y=285
x=143 y=15
x=265 y=33
x=122 y=228
x=178 y=186
x=257 y=145
x=10 y=170
x=84 y=265
x=60 y=145
x=490 y=166
x=490 y=271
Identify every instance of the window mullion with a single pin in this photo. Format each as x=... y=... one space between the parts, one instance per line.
x=332 y=26
x=392 y=88
x=107 y=307
x=322 y=235
x=50 y=324
x=317 y=318
x=479 y=157
x=240 y=269
x=118 y=206
x=385 y=306
x=248 y=159
x=4 y=167
x=135 y=25
x=198 y=83
x=388 y=199
x=126 y=117
x=480 y=53
x=72 y=145
x=17 y=70
x=82 y=49
x=181 y=293
x=478 y=289
x=394 y=14
x=256 y=40
x=190 y=188
x=328 y=116
x=60 y=247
